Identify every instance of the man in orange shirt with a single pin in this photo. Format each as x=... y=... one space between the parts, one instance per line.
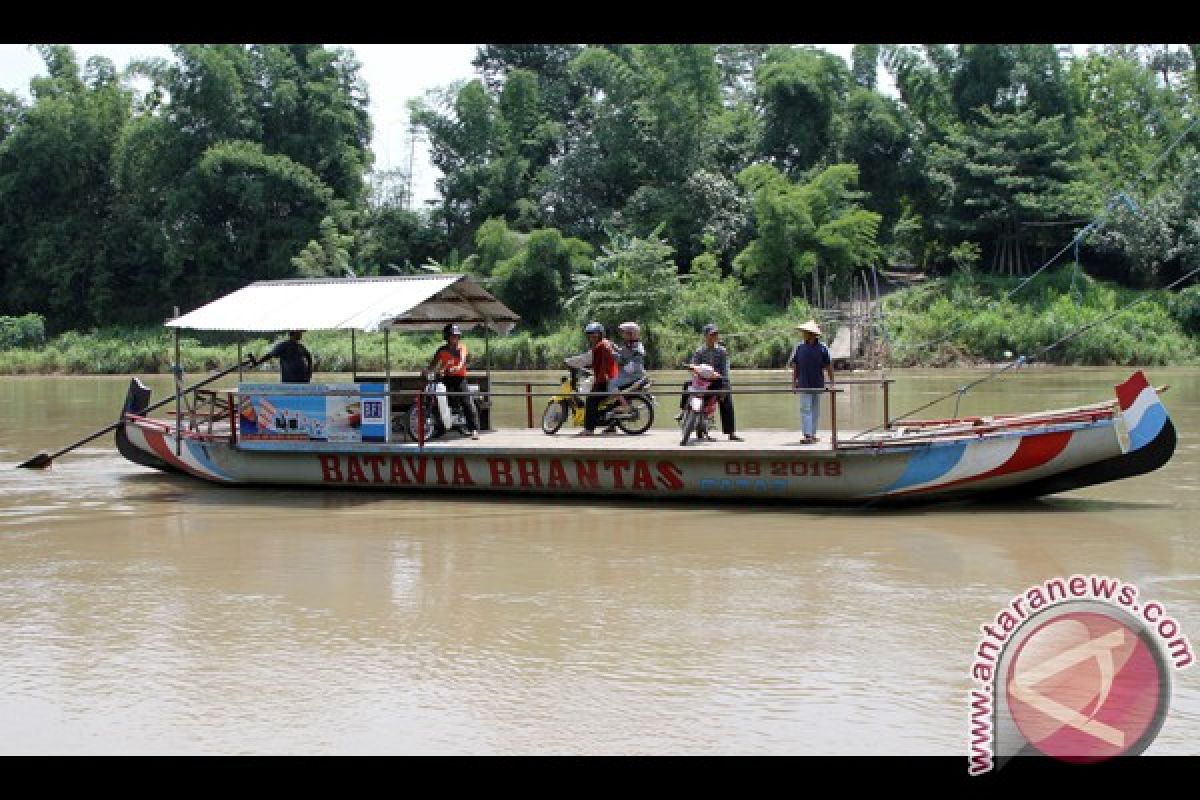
x=604 y=371
x=451 y=360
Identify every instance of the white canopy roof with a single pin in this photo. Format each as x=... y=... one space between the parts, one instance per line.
x=415 y=303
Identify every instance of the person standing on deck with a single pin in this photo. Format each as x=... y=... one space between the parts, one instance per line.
x=713 y=353
x=604 y=372
x=451 y=360
x=808 y=360
x=295 y=362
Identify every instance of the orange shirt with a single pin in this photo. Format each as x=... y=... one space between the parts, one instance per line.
x=451 y=361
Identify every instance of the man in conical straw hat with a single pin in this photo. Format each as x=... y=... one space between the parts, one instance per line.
x=810 y=364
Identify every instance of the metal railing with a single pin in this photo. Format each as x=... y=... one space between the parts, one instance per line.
x=231 y=407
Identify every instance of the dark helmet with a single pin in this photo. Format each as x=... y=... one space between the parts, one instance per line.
x=451 y=330
x=593 y=327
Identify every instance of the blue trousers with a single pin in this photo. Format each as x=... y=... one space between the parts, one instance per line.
x=810 y=407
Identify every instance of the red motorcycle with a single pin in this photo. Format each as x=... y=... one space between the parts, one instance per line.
x=699 y=405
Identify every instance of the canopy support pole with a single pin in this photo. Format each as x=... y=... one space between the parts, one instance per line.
x=353 y=357
x=487 y=351
x=178 y=395
x=240 y=378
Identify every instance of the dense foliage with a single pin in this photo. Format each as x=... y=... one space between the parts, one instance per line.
x=671 y=183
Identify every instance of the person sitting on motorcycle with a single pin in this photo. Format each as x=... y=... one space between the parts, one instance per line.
x=631 y=363
x=630 y=355
x=451 y=360
x=604 y=372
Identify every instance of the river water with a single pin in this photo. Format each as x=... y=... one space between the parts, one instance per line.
x=147 y=613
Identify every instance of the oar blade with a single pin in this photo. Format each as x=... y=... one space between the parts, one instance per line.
x=40 y=461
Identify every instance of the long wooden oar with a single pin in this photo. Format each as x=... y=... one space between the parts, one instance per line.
x=44 y=459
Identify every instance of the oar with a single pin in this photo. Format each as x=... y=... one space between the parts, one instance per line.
x=43 y=459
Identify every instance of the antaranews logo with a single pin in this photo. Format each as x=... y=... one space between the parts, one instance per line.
x=1075 y=669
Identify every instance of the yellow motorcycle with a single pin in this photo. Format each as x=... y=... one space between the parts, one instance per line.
x=635 y=417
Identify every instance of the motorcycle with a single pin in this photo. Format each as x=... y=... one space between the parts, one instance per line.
x=700 y=406
x=440 y=414
x=634 y=418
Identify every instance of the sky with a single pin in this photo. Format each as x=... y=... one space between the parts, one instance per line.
x=393 y=73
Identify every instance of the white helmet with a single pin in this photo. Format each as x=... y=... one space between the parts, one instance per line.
x=630 y=327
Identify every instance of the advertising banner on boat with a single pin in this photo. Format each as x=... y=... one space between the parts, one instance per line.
x=323 y=412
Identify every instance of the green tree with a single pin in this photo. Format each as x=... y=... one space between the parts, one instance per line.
x=551 y=63
x=880 y=137
x=329 y=255
x=800 y=91
x=1003 y=171
x=1125 y=121
x=536 y=281
x=56 y=194
x=736 y=65
x=864 y=65
x=801 y=228
x=634 y=278
x=1156 y=243
x=250 y=149
x=495 y=242
x=11 y=110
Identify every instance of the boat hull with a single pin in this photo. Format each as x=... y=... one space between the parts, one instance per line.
x=1016 y=466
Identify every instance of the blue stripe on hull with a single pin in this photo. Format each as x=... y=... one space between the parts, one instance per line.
x=1152 y=422
x=927 y=464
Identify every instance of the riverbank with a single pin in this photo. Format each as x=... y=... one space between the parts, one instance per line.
x=1068 y=319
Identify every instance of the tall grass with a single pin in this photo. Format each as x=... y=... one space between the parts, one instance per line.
x=1063 y=317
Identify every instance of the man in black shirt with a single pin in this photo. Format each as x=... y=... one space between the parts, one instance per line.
x=295 y=362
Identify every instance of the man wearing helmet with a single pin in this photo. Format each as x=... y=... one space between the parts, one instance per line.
x=631 y=362
x=604 y=372
x=451 y=360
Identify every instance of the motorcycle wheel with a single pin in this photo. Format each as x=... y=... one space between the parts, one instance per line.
x=689 y=425
x=554 y=416
x=432 y=429
x=642 y=418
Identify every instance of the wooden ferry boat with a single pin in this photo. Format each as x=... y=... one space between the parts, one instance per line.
x=309 y=435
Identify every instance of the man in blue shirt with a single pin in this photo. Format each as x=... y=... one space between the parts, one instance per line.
x=808 y=360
